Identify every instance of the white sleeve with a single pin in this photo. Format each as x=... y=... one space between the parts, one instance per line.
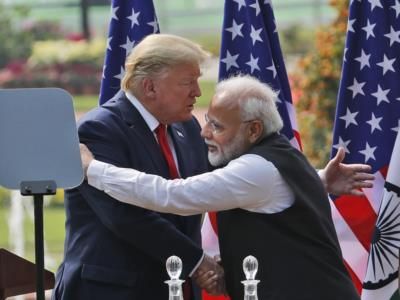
x=245 y=183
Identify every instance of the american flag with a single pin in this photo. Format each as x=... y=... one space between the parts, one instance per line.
x=367 y=121
x=250 y=45
x=131 y=21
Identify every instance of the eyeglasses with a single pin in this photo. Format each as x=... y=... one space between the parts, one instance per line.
x=217 y=128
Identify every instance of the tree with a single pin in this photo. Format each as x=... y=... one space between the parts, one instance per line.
x=15 y=43
x=316 y=82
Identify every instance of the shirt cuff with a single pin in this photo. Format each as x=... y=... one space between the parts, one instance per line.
x=95 y=171
x=321 y=174
x=197 y=265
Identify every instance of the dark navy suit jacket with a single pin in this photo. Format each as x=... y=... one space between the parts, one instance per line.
x=115 y=250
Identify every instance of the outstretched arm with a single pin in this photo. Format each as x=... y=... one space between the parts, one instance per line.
x=340 y=178
x=222 y=189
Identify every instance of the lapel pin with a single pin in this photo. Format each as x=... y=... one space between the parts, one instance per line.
x=179 y=133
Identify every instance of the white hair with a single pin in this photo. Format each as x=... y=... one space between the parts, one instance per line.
x=257 y=100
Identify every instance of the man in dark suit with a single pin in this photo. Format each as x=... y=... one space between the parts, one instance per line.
x=118 y=251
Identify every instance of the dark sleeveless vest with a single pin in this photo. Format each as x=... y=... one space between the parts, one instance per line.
x=297 y=249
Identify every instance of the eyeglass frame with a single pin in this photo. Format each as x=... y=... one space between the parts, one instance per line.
x=217 y=128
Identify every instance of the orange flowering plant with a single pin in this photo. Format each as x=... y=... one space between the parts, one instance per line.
x=315 y=82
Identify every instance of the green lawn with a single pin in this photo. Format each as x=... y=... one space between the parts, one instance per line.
x=83 y=103
x=54 y=233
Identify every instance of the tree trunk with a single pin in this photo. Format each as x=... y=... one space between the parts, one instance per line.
x=84 y=4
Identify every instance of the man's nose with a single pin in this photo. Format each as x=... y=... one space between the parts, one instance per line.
x=196 y=89
x=206 y=132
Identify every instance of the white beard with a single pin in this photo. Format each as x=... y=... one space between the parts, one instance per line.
x=224 y=155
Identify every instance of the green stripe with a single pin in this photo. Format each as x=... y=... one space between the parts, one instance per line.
x=395 y=296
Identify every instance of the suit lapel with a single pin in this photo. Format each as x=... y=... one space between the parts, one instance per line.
x=140 y=129
x=143 y=133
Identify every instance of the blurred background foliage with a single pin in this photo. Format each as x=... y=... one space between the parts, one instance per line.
x=58 y=52
x=315 y=83
x=16 y=43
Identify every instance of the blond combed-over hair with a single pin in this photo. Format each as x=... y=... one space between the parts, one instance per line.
x=155 y=54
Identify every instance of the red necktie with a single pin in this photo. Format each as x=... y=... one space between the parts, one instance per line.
x=166 y=151
x=173 y=173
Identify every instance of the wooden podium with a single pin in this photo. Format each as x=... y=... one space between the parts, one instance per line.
x=18 y=276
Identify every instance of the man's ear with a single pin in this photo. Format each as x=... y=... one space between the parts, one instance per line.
x=148 y=87
x=256 y=129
